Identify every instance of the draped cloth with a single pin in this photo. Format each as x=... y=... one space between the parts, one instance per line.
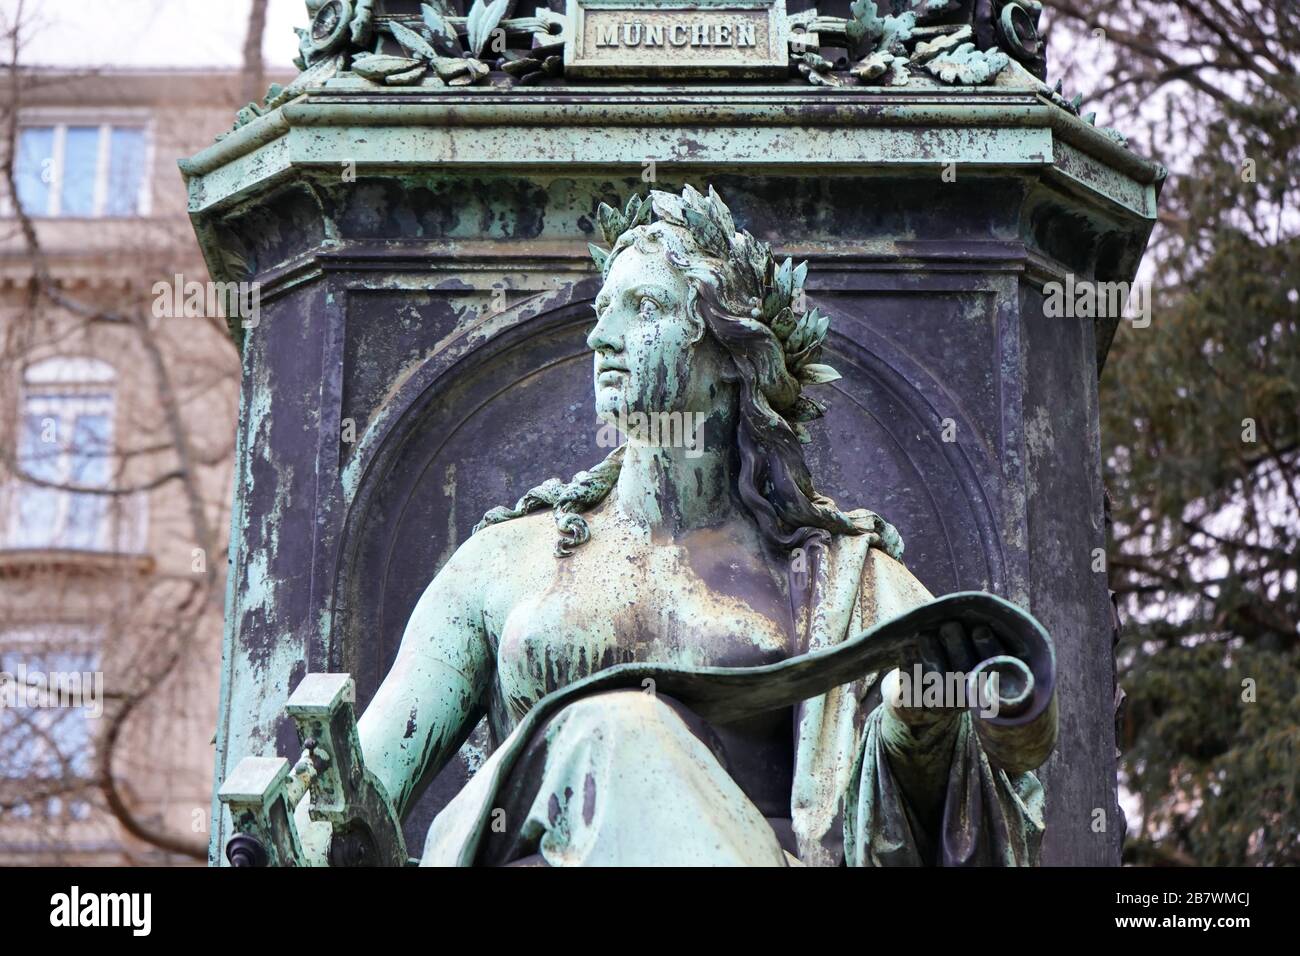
x=989 y=817
x=602 y=772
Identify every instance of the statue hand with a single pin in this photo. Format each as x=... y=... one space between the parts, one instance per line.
x=965 y=666
x=1004 y=679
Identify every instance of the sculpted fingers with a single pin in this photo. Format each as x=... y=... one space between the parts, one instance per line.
x=957 y=645
x=932 y=654
x=985 y=643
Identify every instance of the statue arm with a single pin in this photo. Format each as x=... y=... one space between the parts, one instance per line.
x=920 y=763
x=917 y=740
x=430 y=699
x=919 y=744
x=1013 y=719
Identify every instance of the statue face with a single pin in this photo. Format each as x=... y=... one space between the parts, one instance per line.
x=651 y=356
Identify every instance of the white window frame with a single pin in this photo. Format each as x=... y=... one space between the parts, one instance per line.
x=66 y=637
x=79 y=382
x=64 y=409
x=59 y=120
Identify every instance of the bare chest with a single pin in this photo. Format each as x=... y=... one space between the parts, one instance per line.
x=658 y=604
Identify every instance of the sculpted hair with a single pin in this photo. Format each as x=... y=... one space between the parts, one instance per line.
x=584 y=490
x=747 y=304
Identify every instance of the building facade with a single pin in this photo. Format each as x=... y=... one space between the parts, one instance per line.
x=117 y=412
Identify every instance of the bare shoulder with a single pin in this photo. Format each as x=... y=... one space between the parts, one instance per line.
x=499 y=550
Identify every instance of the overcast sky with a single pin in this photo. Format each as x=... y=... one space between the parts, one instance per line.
x=152 y=33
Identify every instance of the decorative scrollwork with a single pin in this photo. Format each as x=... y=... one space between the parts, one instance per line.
x=955 y=42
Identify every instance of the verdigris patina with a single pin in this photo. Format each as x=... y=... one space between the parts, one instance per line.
x=879 y=43
x=679 y=650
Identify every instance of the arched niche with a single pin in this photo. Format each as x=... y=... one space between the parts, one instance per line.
x=507 y=402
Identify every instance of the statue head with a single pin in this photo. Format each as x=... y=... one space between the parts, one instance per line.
x=652 y=353
x=695 y=317
x=696 y=308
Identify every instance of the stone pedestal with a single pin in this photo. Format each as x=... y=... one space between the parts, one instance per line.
x=426 y=291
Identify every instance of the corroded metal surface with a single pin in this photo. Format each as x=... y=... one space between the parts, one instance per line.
x=712 y=571
x=677 y=38
x=955 y=42
x=381 y=309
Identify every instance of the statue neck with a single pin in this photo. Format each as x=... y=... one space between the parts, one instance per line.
x=671 y=489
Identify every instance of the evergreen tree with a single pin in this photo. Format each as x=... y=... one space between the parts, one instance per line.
x=1201 y=423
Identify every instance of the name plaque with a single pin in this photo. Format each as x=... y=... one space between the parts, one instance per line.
x=671 y=39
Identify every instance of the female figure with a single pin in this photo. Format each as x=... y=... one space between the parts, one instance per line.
x=590 y=621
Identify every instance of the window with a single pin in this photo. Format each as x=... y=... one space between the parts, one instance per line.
x=82 y=169
x=49 y=750
x=64 y=448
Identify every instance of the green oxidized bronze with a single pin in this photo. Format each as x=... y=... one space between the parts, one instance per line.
x=685 y=654
x=924 y=43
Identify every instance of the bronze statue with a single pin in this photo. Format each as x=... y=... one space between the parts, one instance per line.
x=680 y=651
x=712 y=552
